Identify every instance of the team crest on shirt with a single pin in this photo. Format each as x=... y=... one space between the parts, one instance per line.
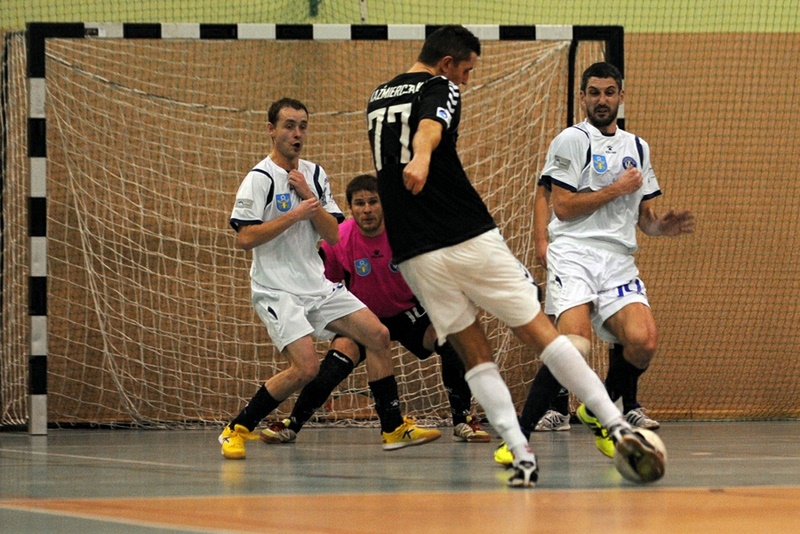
x=628 y=162
x=393 y=267
x=599 y=163
x=363 y=266
x=283 y=201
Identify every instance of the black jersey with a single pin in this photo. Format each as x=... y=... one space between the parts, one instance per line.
x=448 y=210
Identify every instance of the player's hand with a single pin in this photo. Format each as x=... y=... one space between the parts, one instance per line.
x=674 y=223
x=541 y=253
x=297 y=181
x=415 y=174
x=307 y=208
x=629 y=181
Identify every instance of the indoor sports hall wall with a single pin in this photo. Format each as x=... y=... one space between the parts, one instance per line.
x=712 y=88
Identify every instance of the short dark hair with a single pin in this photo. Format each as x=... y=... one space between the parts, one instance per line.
x=601 y=70
x=362 y=182
x=451 y=40
x=285 y=102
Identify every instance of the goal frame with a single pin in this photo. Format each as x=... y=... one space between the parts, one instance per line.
x=36 y=41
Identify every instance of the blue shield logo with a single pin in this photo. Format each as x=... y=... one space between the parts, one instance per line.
x=363 y=267
x=283 y=201
x=599 y=164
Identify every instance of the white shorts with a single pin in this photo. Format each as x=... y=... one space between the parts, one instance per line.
x=549 y=308
x=290 y=317
x=453 y=282
x=607 y=280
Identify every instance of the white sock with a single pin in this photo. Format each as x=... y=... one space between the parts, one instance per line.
x=492 y=394
x=572 y=371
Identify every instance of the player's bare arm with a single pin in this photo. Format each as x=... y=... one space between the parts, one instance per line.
x=326 y=225
x=541 y=218
x=252 y=235
x=670 y=223
x=568 y=205
x=427 y=138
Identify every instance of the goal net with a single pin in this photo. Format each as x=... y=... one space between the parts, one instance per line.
x=149 y=315
x=14 y=333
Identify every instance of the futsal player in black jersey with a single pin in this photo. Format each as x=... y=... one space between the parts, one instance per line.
x=451 y=253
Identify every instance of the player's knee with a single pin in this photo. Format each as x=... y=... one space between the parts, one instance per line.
x=640 y=350
x=380 y=339
x=583 y=345
x=306 y=371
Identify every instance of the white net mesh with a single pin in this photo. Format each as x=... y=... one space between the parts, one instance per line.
x=150 y=320
x=14 y=236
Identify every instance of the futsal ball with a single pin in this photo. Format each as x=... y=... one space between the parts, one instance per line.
x=647 y=469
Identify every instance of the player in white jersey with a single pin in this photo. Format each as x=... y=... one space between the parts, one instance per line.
x=620 y=382
x=547 y=403
x=602 y=187
x=283 y=207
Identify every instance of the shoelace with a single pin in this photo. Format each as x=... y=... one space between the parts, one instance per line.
x=554 y=418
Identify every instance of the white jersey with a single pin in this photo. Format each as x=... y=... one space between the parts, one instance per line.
x=581 y=158
x=290 y=262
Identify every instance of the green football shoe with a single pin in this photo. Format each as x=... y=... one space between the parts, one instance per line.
x=601 y=439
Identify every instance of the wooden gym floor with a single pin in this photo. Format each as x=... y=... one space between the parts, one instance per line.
x=731 y=477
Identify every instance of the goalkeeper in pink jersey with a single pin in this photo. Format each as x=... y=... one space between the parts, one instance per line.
x=363 y=260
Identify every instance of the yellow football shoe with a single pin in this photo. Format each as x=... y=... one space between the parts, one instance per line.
x=601 y=439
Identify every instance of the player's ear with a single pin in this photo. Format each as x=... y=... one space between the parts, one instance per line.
x=445 y=64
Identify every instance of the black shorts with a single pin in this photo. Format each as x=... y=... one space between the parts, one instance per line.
x=407 y=328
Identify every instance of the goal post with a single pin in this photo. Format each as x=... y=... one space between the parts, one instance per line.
x=138 y=137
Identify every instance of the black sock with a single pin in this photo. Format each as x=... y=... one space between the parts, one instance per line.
x=616 y=381
x=334 y=368
x=257 y=409
x=622 y=379
x=458 y=392
x=387 y=403
x=543 y=390
x=561 y=402
x=630 y=397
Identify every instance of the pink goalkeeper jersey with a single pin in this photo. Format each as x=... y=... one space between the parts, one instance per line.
x=366 y=264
